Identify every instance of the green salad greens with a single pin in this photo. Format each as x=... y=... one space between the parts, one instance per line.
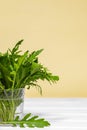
x=18 y=71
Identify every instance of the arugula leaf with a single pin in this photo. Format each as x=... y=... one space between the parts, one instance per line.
x=34 y=55
x=29 y=121
x=16 y=47
x=5 y=76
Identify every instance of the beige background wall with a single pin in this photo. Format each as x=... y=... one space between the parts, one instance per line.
x=58 y=26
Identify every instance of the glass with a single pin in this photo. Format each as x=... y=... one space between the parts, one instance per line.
x=11 y=104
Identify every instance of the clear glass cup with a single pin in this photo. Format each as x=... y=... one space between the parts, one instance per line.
x=11 y=104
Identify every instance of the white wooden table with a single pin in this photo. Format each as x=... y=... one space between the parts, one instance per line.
x=62 y=113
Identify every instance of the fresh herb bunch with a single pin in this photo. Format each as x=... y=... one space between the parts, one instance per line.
x=17 y=71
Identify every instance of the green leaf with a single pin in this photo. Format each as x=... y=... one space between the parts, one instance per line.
x=34 y=54
x=18 y=65
x=16 y=47
x=29 y=121
x=5 y=76
x=1 y=86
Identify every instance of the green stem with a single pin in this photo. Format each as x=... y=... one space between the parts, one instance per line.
x=7 y=108
x=9 y=104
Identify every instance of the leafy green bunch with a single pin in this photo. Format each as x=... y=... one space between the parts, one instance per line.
x=17 y=71
x=20 y=70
